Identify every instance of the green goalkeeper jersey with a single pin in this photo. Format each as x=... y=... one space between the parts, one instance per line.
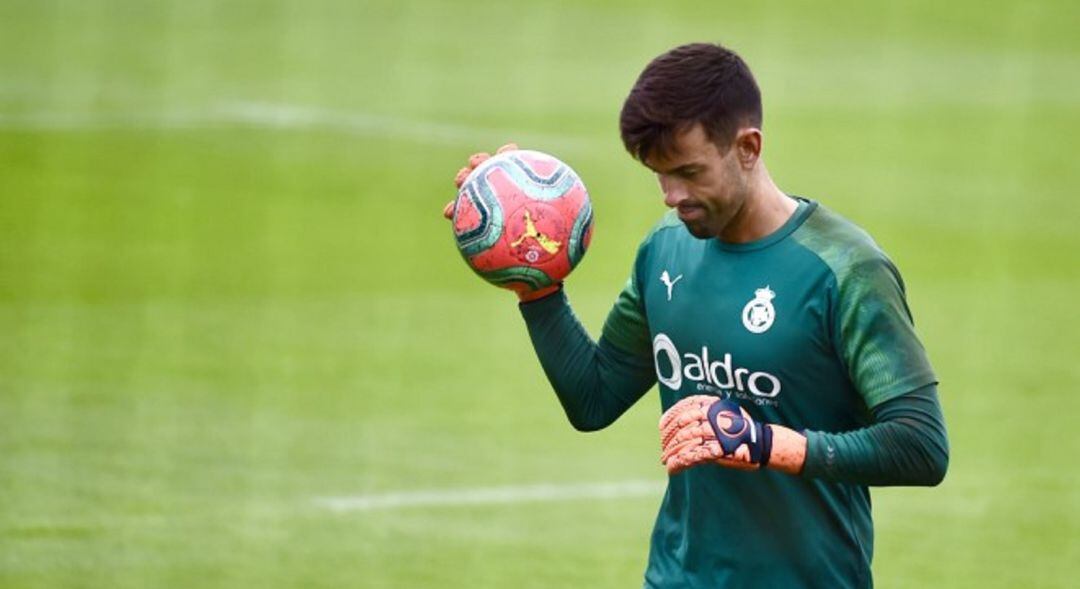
x=806 y=328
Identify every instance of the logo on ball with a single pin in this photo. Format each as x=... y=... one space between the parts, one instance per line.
x=531 y=228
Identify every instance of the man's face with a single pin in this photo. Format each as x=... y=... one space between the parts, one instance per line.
x=708 y=188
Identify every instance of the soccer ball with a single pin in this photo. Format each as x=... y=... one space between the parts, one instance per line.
x=522 y=220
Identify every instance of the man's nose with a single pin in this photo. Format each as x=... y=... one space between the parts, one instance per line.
x=674 y=191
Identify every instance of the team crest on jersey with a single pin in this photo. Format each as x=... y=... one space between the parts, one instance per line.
x=758 y=314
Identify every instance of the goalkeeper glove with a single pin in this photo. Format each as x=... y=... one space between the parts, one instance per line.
x=704 y=428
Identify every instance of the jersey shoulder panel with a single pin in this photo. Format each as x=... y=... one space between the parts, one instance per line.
x=839 y=243
x=873 y=330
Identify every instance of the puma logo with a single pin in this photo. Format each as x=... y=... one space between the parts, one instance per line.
x=549 y=245
x=668 y=282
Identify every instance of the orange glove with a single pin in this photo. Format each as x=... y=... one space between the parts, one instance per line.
x=689 y=430
x=448 y=211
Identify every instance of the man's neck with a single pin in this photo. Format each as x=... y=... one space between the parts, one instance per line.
x=765 y=210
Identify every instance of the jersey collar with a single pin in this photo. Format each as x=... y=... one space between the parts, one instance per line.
x=803 y=211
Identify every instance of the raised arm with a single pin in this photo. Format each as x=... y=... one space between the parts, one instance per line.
x=595 y=382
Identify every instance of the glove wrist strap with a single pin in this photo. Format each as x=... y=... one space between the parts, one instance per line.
x=766 y=444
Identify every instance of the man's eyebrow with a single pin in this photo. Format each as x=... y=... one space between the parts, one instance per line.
x=683 y=169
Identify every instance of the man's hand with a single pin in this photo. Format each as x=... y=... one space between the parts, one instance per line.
x=448 y=211
x=704 y=428
x=474 y=160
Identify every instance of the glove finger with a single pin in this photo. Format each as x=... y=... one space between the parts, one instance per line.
x=670 y=438
x=478 y=158
x=462 y=174
x=680 y=448
x=699 y=429
x=691 y=417
x=683 y=460
x=705 y=453
x=667 y=435
x=448 y=210
x=678 y=407
x=671 y=453
x=508 y=147
x=674 y=466
x=668 y=426
x=708 y=452
x=688 y=432
x=697 y=401
x=673 y=463
x=671 y=429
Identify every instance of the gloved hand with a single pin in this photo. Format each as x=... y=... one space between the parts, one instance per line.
x=703 y=428
x=448 y=211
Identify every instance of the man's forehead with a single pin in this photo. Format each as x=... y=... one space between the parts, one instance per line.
x=687 y=148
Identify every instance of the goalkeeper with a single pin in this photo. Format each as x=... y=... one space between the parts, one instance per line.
x=790 y=374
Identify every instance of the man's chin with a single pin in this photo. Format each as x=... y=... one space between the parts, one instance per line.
x=698 y=230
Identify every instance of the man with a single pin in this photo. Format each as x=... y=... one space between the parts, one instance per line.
x=789 y=370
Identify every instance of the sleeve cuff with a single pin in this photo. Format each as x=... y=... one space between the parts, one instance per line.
x=820 y=457
x=544 y=305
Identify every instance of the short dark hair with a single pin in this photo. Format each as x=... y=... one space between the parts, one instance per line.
x=696 y=83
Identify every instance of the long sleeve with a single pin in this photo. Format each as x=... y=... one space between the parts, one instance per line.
x=595 y=382
x=906 y=445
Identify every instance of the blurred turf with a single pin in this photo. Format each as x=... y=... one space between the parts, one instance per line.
x=225 y=289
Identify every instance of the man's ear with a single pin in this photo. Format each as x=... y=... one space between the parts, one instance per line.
x=747 y=146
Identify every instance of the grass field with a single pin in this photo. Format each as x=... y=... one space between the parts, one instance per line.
x=226 y=292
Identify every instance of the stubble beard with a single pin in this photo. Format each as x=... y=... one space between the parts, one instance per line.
x=698 y=230
x=717 y=221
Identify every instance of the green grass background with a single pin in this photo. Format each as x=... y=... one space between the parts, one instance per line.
x=226 y=289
